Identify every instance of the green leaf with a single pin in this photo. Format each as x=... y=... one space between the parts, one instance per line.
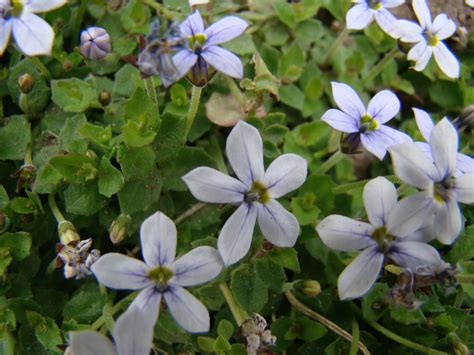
x=170 y=138
x=206 y=344
x=111 y=180
x=463 y=249
x=136 y=163
x=7 y=341
x=86 y=304
x=222 y=344
x=249 y=290
x=14 y=138
x=95 y=133
x=372 y=303
x=46 y=330
x=142 y=110
x=291 y=64
x=447 y=94
x=305 y=329
x=4 y=199
x=75 y=167
x=22 y=205
x=5 y=260
x=225 y=329
x=71 y=139
x=134 y=135
x=127 y=80
x=83 y=199
x=286 y=257
x=285 y=12
x=18 y=244
x=138 y=195
x=407 y=317
x=73 y=95
x=270 y=273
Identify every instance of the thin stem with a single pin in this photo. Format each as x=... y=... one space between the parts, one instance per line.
x=375 y=71
x=41 y=67
x=117 y=307
x=78 y=19
x=28 y=155
x=339 y=40
x=193 y=108
x=189 y=212
x=151 y=92
x=324 y=321
x=331 y=162
x=54 y=208
x=240 y=315
x=355 y=336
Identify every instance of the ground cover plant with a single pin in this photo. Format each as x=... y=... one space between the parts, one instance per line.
x=236 y=177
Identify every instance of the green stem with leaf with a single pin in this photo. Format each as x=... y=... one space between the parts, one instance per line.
x=151 y=92
x=41 y=67
x=240 y=315
x=375 y=71
x=336 y=44
x=331 y=162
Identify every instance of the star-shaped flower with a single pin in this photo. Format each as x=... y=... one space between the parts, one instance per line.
x=353 y=117
x=33 y=35
x=363 y=13
x=441 y=189
x=382 y=239
x=161 y=276
x=255 y=193
x=428 y=36
x=132 y=335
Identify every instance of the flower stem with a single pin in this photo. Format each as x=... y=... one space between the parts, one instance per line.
x=41 y=67
x=117 y=307
x=339 y=40
x=78 y=19
x=331 y=162
x=375 y=71
x=54 y=208
x=355 y=336
x=324 y=321
x=151 y=92
x=28 y=156
x=240 y=315
x=189 y=212
x=193 y=108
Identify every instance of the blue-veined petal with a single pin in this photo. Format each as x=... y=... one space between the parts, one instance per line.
x=33 y=35
x=407 y=31
x=148 y=301
x=341 y=121
x=158 y=239
x=89 y=343
x=224 y=30
x=413 y=254
x=133 y=333
x=443 y=27
x=224 y=61
x=5 y=32
x=388 y=4
x=446 y=60
x=285 y=174
x=464 y=188
x=380 y=195
x=374 y=144
x=444 y=143
x=447 y=221
x=359 y=17
x=424 y=122
x=422 y=12
x=278 y=226
x=193 y=24
x=386 y=21
x=384 y=106
x=464 y=164
x=42 y=5
x=347 y=99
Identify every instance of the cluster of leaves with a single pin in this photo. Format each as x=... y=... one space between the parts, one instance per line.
x=92 y=139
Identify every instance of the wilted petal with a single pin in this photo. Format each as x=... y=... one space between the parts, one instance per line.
x=359 y=17
x=386 y=20
x=42 y=5
x=444 y=147
x=424 y=122
x=359 y=276
x=422 y=12
x=286 y=173
x=374 y=144
x=90 y=342
x=225 y=30
x=341 y=121
x=464 y=163
x=121 y=272
x=407 y=31
x=5 y=31
x=380 y=195
x=278 y=226
x=244 y=150
x=193 y=24
x=447 y=221
x=446 y=60
x=158 y=239
x=443 y=27
x=388 y=4
x=196 y=267
x=33 y=35
x=410 y=213
x=412 y=165
x=384 y=106
x=236 y=235
x=347 y=100
x=224 y=61
x=464 y=187
x=345 y=234
x=133 y=333
x=413 y=254
x=187 y=310
x=210 y=185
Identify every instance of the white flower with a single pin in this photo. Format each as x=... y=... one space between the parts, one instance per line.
x=132 y=335
x=198 y=2
x=385 y=237
x=429 y=36
x=363 y=13
x=33 y=35
x=440 y=189
x=464 y=163
x=161 y=276
x=254 y=193
x=470 y=3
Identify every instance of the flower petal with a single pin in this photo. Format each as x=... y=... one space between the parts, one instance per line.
x=133 y=333
x=424 y=122
x=345 y=234
x=384 y=106
x=196 y=267
x=224 y=61
x=244 y=150
x=33 y=35
x=392 y=136
x=444 y=147
x=448 y=222
x=410 y=213
x=422 y=12
x=413 y=254
x=236 y=235
x=446 y=60
x=286 y=173
x=278 y=226
x=121 y=272
x=5 y=31
x=192 y=25
x=224 y=30
x=359 y=17
x=158 y=239
x=359 y=276
x=464 y=187
x=187 y=310
x=386 y=21
x=464 y=163
x=341 y=121
x=210 y=185
x=184 y=60
x=347 y=100
x=388 y=4
x=443 y=27
x=424 y=234
x=423 y=52
x=412 y=165
x=148 y=301
x=380 y=195
x=90 y=342
x=42 y=5
x=374 y=144
x=407 y=31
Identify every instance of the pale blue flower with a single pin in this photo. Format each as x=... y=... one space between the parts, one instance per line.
x=33 y=35
x=255 y=193
x=364 y=12
x=353 y=117
x=161 y=276
x=384 y=238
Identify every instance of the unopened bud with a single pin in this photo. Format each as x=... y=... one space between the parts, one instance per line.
x=459 y=347
x=350 y=143
x=91 y=154
x=119 y=228
x=311 y=288
x=256 y=324
x=67 y=233
x=104 y=98
x=95 y=43
x=465 y=119
x=26 y=83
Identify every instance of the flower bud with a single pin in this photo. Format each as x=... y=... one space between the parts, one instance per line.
x=67 y=233
x=459 y=347
x=350 y=143
x=104 y=97
x=311 y=288
x=26 y=83
x=95 y=43
x=119 y=228
x=465 y=119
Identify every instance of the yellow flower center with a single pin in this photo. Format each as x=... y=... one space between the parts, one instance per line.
x=442 y=189
x=197 y=41
x=383 y=239
x=17 y=8
x=160 y=275
x=368 y=123
x=433 y=40
x=257 y=193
